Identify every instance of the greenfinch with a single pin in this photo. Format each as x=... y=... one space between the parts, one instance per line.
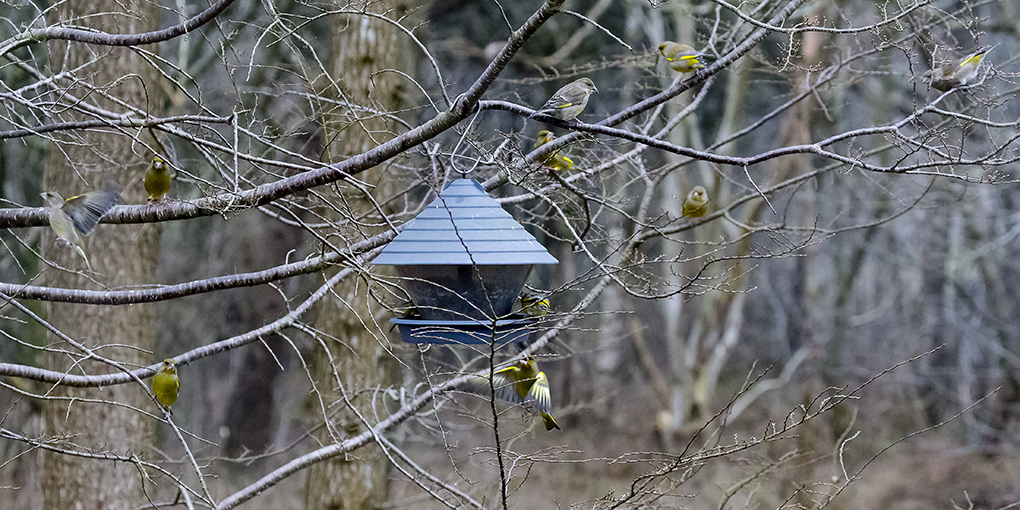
x=533 y=305
x=411 y=312
x=78 y=214
x=696 y=203
x=166 y=384
x=554 y=160
x=954 y=74
x=568 y=102
x=681 y=57
x=157 y=179
x=524 y=382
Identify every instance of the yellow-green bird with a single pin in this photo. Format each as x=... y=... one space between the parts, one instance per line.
x=410 y=313
x=956 y=73
x=554 y=160
x=166 y=384
x=696 y=203
x=524 y=382
x=534 y=306
x=78 y=214
x=568 y=102
x=157 y=179
x=681 y=57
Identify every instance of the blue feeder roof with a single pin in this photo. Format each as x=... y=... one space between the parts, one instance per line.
x=491 y=235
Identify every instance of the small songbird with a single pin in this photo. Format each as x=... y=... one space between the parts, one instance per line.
x=568 y=102
x=554 y=160
x=410 y=312
x=157 y=179
x=535 y=306
x=696 y=203
x=166 y=384
x=956 y=73
x=681 y=57
x=524 y=382
x=78 y=214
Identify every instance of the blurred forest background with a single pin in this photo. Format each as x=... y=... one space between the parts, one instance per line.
x=840 y=330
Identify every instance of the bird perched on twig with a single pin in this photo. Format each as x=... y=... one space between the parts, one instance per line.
x=157 y=179
x=956 y=73
x=78 y=214
x=166 y=385
x=524 y=382
x=568 y=102
x=696 y=203
x=681 y=57
x=554 y=160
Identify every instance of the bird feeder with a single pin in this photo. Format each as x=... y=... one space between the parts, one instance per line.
x=463 y=261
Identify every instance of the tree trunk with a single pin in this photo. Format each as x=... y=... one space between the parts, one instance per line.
x=362 y=48
x=121 y=255
x=249 y=417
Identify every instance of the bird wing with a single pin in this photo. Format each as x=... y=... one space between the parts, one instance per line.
x=504 y=382
x=556 y=102
x=678 y=52
x=539 y=393
x=85 y=210
x=569 y=95
x=674 y=58
x=563 y=163
x=975 y=58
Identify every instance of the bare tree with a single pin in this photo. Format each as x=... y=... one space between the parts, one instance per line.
x=854 y=227
x=83 y=424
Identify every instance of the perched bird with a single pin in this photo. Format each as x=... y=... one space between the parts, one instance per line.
x=536 y=306
x=681 y=57
x=165 y=384
x=524 y=382
x=157 y=179
x=568 y=102
x=554 y=160
x=533 y=305
x=78 y=214
x=956 y=73
x=696 y=203
x=410 y=312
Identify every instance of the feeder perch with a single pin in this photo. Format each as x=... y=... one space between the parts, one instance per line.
x=463 y=261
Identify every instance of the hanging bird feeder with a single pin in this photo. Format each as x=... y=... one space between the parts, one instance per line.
x=463 y=261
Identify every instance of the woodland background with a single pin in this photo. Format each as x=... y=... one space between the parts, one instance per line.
x=839 y=331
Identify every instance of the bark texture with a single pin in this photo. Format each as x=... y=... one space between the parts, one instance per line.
x=364 y=49
x=123 y=254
